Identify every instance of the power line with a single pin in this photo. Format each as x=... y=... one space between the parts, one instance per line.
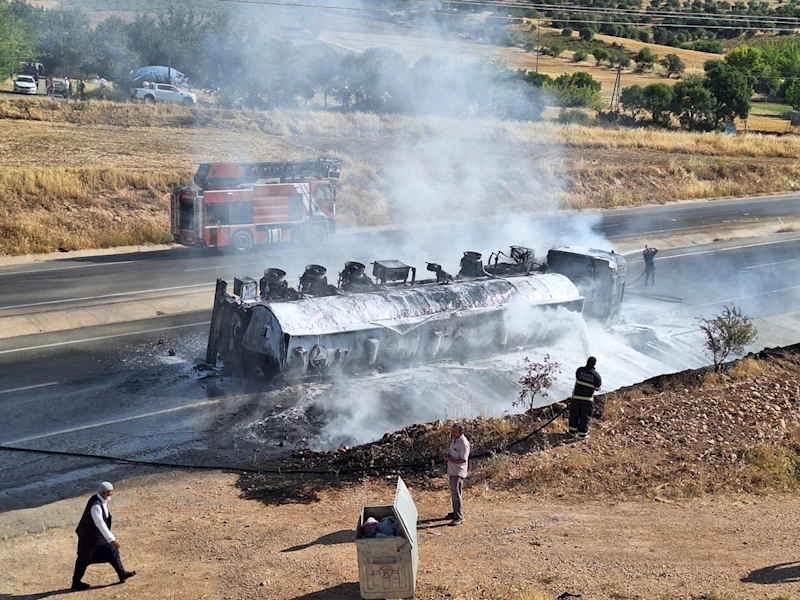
x=745 y=24
x=620 y=11
x=748 y=21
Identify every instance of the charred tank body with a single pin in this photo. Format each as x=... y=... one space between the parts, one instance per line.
x=271 y=329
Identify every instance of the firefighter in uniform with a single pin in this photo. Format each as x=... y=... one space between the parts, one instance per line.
x=649 y=256
x=587 y=382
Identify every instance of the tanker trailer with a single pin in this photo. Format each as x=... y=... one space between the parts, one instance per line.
x=392 y=327
x=269 y=328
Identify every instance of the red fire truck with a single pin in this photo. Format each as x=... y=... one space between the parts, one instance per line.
x=240 y=205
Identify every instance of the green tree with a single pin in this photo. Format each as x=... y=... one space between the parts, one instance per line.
x=566 y=32
x=731 y=89
x=693 y=103
x=555 y=49
x=672 y=65
x=793 y=94
x=645 y=60
x=16 y=41
x=658 y=101
x=579 y=56
x=587 y=34
x=600 y=55
x=633 y=100
x=113 y=57
x=65 y=39
x=746 y=58
x=576 y=90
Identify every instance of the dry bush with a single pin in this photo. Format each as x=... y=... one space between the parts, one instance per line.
x=747 y=368
x=713 y=379
x=787 y=229
x=773 y=465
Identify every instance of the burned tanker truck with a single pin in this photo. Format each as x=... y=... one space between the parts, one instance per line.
x=267 y=328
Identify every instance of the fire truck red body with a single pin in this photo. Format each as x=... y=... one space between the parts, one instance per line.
x=240 y=205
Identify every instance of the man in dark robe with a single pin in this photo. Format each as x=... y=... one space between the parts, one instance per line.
x=96 y=543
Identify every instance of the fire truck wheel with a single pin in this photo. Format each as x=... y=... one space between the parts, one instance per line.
x=316 y=234
x=242 y=242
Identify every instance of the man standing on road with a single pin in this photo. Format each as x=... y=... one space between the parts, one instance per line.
x=581 y=406
x=650 y=265
x=96 y=543
x=457 y=469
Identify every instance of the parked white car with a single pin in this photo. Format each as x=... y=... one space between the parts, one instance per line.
x=163 y=92
x=25 y=84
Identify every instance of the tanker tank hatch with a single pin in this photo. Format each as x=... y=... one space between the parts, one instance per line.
x=472 y=266
x=314 y=282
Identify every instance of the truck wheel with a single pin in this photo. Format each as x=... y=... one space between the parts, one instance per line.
x=150 y=99
x=316 y=234
x=242 y=242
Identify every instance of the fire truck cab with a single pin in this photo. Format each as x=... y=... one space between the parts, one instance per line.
x=241 y=205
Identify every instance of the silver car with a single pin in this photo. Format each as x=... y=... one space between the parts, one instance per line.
x=25 y=84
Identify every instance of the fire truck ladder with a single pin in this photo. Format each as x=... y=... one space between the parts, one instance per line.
x=287 y=172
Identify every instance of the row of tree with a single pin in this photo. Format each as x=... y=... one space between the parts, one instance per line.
x=699 y=103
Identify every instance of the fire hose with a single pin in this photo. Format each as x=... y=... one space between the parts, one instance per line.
x=345 y=470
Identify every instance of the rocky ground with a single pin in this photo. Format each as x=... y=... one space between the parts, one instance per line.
x=682 y=492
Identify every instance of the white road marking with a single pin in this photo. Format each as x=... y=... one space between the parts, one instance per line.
x=105 y=296
x=224 y=266
x=780 y=262
x=714 y=251
x=778 y=291
x=119 y=262
x=111 y=422
x=102 y=337
x=671 y=230
x=29 y=387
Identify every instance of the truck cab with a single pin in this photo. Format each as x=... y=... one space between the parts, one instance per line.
x=599 y=275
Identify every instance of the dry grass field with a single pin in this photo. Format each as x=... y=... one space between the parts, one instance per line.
x=98 y=174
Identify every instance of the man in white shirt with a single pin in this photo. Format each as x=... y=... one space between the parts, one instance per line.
x=457 y=469
x=96 y=543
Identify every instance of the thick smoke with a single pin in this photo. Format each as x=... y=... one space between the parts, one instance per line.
x=463 y=176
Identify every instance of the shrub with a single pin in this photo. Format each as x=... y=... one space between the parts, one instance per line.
x=566 y=32
x=727 y=333
x=579 y=56
x=587 y=34
x=573 y=116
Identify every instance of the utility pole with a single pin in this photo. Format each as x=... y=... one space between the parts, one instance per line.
x=169 y=44
x=538 y=43
x=617 y=91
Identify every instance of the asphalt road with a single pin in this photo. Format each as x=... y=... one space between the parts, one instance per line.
x=92 y=280
x=119 y=390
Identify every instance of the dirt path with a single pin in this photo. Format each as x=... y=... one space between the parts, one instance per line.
x=193 y=536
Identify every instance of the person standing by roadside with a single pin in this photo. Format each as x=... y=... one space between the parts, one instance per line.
x=649 y=255
x=96 y=543
x=457 y=469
